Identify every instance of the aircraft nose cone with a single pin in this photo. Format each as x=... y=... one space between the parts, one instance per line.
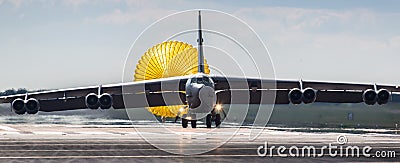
x=207 y=95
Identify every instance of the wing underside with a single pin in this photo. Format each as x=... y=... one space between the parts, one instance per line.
x=229 y=90
x=261 y=91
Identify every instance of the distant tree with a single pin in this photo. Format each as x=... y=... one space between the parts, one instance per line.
x=13 y=91
x=8 y=92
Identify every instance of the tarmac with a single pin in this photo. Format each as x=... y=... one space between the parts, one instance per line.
x=146 y=143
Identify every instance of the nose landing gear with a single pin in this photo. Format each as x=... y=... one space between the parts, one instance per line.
x=213 y=116
x=185 y=123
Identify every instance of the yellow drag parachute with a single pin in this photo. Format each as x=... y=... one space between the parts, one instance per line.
x=168 y=59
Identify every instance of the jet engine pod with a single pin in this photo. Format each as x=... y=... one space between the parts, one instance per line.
x=105 y=101
x=32 y=106
x=92 y=101
x=309 y=95
x=383 y=96
x=295 y=96
x=18 y=106
x=369 y=97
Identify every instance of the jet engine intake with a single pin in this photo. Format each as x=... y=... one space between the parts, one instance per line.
x=92 y=101
x=106 y=101
x=32 y=106
x=383 y=96
x=309 y=95
x=295 y=96
x=369 y=97
x=18 y=106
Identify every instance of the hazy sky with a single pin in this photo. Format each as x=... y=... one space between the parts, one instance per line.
x=68 y=43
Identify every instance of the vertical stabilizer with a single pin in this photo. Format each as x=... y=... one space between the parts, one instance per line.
x=200 y=48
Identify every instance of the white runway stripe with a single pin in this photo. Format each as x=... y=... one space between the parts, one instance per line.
x=94 y=133
x=48 y=133
x=7 y=128
x=10 y=133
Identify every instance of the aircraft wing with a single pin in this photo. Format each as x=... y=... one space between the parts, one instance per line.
x=141 y=94
x=170 y=91
x=236 y=90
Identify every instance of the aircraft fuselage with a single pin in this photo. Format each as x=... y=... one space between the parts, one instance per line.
x=200 y=93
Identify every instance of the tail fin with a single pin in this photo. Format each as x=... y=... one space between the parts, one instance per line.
x=200 y=48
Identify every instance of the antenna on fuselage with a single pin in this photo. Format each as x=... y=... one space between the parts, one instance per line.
x=200 y=48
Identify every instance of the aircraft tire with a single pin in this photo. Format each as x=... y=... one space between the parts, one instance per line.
x=184 y=123
x=217 y=120
x=193 y=123
x=208 y=121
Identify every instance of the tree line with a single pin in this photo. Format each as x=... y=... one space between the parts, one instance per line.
x=13 y=91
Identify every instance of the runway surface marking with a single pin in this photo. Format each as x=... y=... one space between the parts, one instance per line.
x=94 y=143
x=7 y=128
x=166 y=156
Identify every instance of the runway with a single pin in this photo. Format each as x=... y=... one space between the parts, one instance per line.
x=123 y=143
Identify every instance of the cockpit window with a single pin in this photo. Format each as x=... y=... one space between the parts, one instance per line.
x=199 y=80
x=202 y=80
x=193 y=80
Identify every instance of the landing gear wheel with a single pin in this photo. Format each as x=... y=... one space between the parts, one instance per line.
x=217 y=120
x=208 y=121
x=184 y=123
x=193 y=123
